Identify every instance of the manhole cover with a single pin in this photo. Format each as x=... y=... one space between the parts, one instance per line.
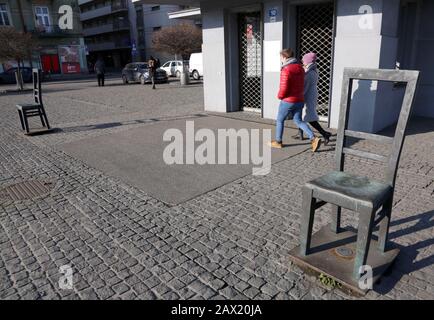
x=26 y=190
x=344 y=252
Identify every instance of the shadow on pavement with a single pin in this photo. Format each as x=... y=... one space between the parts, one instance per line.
x=405 y=262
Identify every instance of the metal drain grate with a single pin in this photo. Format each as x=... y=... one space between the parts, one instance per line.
x=26 y=190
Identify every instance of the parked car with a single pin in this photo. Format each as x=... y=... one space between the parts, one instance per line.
x=8 y=76
x=196 y=65
x=173 y=68
x=139 y=72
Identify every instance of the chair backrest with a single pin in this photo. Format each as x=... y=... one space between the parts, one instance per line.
x=396 y=143
x=37 y=93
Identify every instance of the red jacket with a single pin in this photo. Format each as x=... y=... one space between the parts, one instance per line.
x=291 y=83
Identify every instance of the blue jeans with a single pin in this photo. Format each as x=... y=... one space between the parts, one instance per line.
x=297 y=110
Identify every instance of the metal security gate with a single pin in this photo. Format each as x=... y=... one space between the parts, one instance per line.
x=250 y=61
x=315 y=34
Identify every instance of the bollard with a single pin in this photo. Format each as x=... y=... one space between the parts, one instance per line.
x=184 y=78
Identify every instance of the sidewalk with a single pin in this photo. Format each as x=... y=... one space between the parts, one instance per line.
x=231 y=242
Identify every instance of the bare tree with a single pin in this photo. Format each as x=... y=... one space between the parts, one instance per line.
x=182 y=39
x=17 y=46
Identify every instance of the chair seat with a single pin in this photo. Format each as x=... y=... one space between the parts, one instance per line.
x=350 y=191
x=28 y=106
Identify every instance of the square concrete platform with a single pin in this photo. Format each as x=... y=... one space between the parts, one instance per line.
x=136 y=157
x=333 y=255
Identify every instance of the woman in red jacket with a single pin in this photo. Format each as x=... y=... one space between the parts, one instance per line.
x=291 y=94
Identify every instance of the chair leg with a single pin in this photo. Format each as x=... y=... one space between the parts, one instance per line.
x=307 y=218
x=26 y=122
x=41 y=117
x=384 y=225
x=364 y=234
x=21 y=119
x=46 y=119
x=336 y=219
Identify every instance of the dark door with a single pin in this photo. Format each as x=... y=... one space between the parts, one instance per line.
x=250 y=60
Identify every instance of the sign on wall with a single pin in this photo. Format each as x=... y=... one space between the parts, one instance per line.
x=272 y=14
x=70 y=59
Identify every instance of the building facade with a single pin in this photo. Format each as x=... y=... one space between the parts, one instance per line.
x=151 y=18
x=60 y=51
x=107 y=31
x=121 y=31
x=242 y=40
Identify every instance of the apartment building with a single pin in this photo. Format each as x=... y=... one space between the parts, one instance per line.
x=107 y=31
x=60 y=51
x=151 y=18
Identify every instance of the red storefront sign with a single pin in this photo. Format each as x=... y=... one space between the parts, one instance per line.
x=70 y=67
x=70 y=59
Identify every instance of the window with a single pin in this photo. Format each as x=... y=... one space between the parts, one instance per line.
x=179 y=63
x=166 y=65
x=42 y=16
x=155 y=8
x=4 y=15
x=139 y=18
x=173 y=64
x=156 y=28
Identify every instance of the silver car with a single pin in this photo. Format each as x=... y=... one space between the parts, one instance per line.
x=139 y=72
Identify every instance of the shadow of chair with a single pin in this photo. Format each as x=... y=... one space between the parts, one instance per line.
x=405 y=263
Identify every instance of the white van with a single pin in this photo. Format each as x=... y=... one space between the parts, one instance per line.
x=196 y=65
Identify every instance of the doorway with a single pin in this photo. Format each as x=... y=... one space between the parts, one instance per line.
x=50 y=63
x=250 y=61
x=315 y=24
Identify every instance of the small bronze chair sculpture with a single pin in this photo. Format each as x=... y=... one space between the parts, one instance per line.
x=35 y=109
x=337 y=252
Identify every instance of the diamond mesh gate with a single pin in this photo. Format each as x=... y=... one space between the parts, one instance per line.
x=315 y=34
x=250 y=44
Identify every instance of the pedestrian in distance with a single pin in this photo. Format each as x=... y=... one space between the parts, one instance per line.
x=291 y=96
x=100 y=71
x=152 y=65
x=311 y=97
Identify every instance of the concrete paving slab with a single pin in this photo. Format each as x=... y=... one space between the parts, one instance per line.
x=136 y=157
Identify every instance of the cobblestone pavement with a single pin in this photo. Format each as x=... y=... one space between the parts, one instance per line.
x=230 y=243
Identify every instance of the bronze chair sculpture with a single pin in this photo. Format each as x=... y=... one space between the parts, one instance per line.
x=341 y=253
x=35 y=109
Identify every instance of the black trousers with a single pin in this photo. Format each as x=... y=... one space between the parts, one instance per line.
x=152 y=75
x=317 y=126
x=100 y=79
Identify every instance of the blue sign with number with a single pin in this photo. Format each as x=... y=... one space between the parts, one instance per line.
x=272 y=12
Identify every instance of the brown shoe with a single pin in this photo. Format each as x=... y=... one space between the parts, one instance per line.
x=275 y=144
x=316 y=143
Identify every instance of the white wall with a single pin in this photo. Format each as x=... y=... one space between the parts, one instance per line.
x=214 y=59
x=370 y=41
x=273 y=43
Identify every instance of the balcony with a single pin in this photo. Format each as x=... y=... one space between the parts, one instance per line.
x=53 y=31
x=106 y=28
x=109 y=45
x=103 y=11
x=81 y=2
